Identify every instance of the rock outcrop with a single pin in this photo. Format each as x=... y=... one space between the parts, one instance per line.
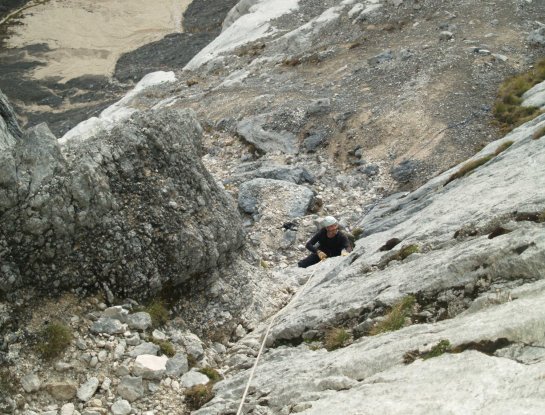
x=476 y=275
x=132 y=209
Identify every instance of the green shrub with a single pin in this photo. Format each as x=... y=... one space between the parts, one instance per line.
x=53 y=339
x=357 y=233
x=166 y=347
x=401 y=254
x=395 y=319
x=212 y=374
x=539 y=133
x=336 y=338
x=440 y=348
x=469 y=167
x=507 y=110
x=198 y=395
x=502 y=147
x=158 y=312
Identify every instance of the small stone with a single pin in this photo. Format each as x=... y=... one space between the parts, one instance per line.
x=31 y=383
x=130 y=388
x=193 y=378
x=446 y=35
x=108 y=326
x=159 y=335
x=150 y=366
x=144 y=348
x=177 y=365
x=68 y=409
x=121 y=407
x=88 y=389
x=139 y=321
x=62 y=391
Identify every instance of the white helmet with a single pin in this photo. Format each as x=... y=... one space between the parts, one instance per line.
x=328 y=221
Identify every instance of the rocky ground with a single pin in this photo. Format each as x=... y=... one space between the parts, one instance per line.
x=335 y=107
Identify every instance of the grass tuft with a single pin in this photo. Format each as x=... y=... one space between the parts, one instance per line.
x=469 y=167
x=166 y=347
x=158 y=312
x=336 y=338
x=502 y=147
x=53 y=340
x=212 y=374
x=198 y=395
x=357 y=233
x=507 y=110
x=539 y=133
x=396 y=317
x=440 y=348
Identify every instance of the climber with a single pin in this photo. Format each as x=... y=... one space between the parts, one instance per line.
x=327 y=242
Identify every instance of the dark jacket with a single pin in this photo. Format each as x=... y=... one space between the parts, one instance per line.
x=330 y=246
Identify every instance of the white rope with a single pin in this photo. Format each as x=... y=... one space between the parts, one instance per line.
x=265 y=339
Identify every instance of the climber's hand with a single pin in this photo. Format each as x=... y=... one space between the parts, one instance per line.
x=321 y=255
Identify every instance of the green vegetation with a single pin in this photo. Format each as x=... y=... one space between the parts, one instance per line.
x=336 y=338
x=539 y=133
x=502 y=147
x=158 y=312
x=212 y=374
x=507 y=110
x=357 y=233
x=53 y=339
x=440 y=348
x=396 y=317
x=401 y=254
x=8 y=384
x=167 y=348
x=198 y=395
x=469 y=167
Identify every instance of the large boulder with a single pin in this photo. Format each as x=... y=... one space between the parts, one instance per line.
x=133 y=208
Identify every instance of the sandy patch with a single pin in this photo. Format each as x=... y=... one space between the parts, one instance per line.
x=88 y=36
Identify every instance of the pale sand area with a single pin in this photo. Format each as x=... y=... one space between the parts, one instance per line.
x=88 y=36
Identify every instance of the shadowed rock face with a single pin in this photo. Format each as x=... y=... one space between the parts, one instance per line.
x=133 y=210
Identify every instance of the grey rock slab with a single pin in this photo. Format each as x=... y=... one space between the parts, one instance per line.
x=144 y=348
x=252 y=130
x=108 y=325
x=193 y=378
x=150 y=366
x=436 y=210
x=177 y=365
x=139 y=321
x=193 y=345
x=291 y=200
x=370 y=359
x=535 y=96
x=87 y=389
x=130 y=388
x=116 y=312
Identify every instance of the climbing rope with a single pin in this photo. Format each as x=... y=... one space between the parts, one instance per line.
x=265 y=339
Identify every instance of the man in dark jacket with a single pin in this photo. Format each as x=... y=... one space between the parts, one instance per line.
x=327 y=242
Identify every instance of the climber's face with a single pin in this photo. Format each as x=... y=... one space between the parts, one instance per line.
x=331 y=230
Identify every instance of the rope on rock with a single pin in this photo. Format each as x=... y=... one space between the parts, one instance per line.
x=265 y=339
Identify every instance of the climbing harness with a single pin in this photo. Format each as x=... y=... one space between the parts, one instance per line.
x=265 y=339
